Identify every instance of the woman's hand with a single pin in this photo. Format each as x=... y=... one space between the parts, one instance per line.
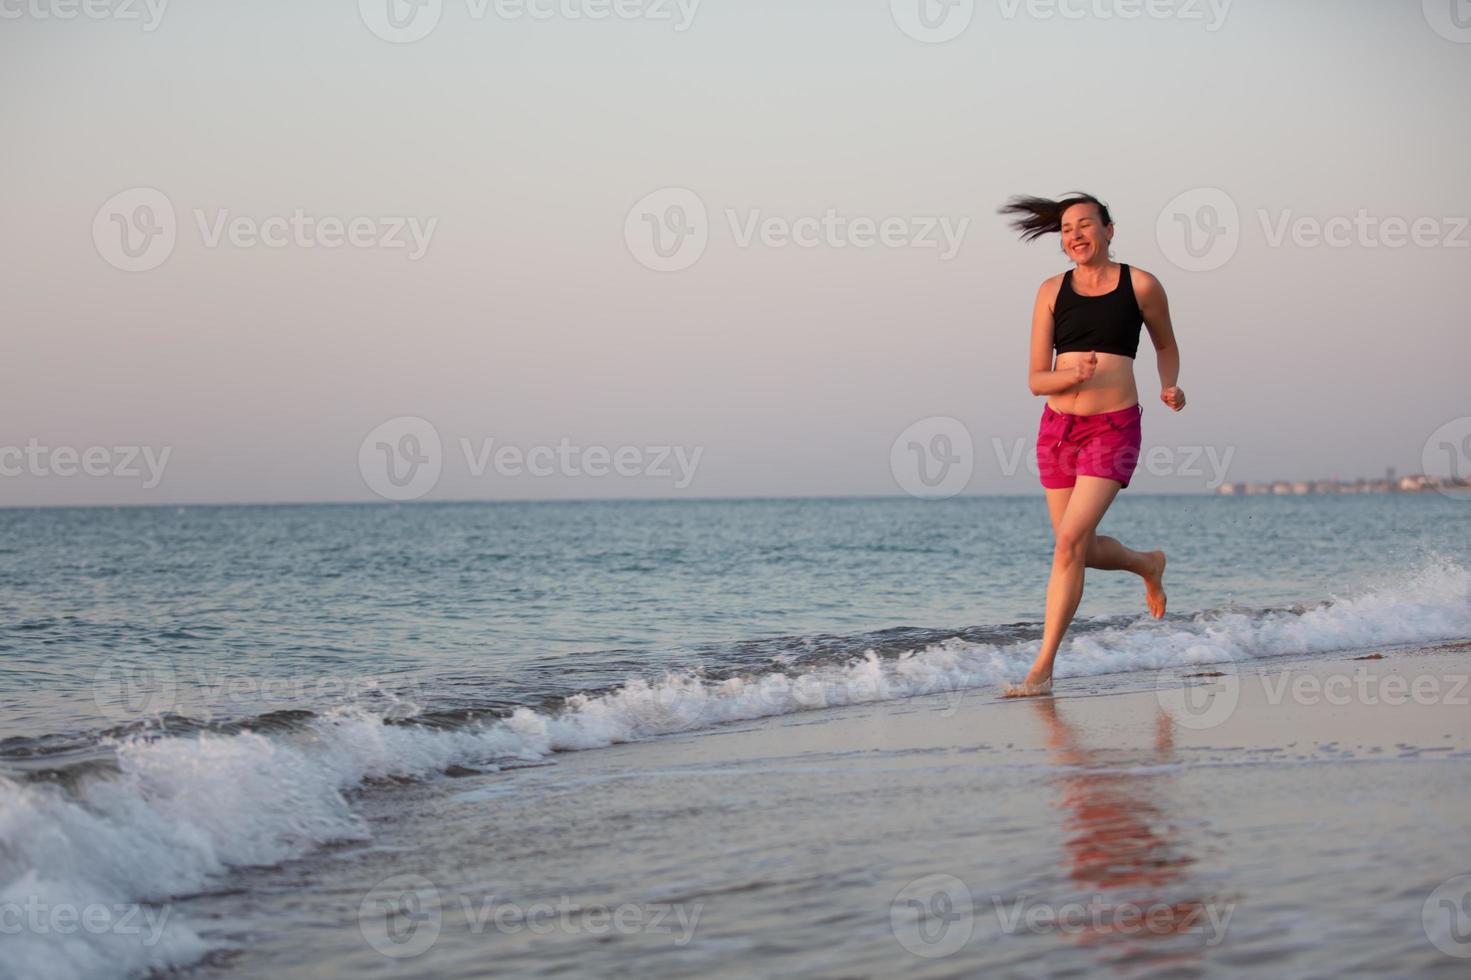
x=1173 y=397
x=1084 y=368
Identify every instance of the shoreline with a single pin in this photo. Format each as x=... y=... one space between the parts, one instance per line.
x=866 y=839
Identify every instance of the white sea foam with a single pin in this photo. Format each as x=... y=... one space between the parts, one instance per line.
x=183 y=811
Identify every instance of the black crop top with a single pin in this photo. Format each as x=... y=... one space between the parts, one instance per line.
x=1108 y=323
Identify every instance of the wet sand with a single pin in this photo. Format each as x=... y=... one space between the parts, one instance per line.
x=1296 y=817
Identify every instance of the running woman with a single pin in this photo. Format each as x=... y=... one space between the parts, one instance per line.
x=1088 y=440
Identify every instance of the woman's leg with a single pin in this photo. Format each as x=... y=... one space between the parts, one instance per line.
x=1085 y=507
x=1110 y=554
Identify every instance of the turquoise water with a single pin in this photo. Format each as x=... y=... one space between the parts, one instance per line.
x=192 y=693
x=529 y=601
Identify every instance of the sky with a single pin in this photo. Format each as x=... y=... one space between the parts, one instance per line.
x=547 y=249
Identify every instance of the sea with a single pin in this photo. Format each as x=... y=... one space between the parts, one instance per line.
x=202 y=707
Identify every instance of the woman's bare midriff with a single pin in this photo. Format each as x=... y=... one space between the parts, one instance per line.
x=1109 y=390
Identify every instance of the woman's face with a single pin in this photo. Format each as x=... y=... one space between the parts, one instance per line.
x=1085 y=237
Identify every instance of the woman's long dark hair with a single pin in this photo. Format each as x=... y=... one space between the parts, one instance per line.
x=1038 y=216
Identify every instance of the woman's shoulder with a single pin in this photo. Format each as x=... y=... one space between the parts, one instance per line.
x=1051 y=286
x=1142 y=281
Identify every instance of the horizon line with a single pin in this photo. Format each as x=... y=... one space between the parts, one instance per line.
x=462 y=501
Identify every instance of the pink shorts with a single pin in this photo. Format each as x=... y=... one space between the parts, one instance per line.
x=1105 y=444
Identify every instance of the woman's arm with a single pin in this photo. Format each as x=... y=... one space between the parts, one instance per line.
x=1041 y=379
x=1156 y=309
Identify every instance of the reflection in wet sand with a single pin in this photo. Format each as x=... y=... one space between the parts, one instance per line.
x=1121 y=848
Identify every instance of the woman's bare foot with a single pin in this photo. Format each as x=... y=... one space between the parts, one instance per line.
x=1154 y=584
x=1027 y=688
